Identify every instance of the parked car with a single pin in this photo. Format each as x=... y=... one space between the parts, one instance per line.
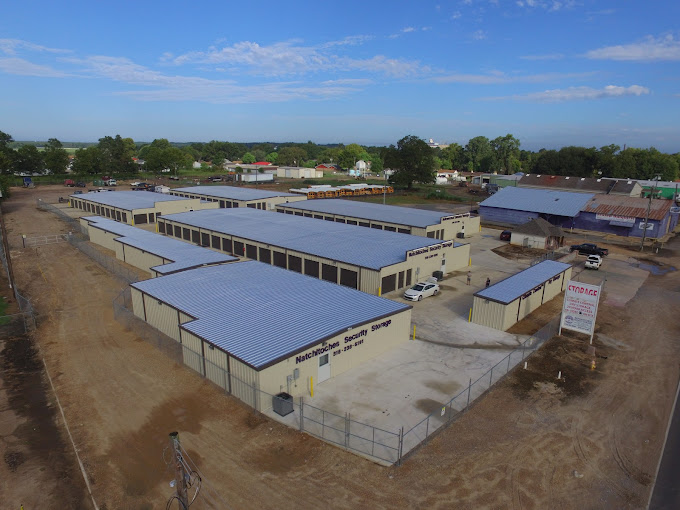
x=593 y=262
x=69 y=183
x=421 y=290
x=505 y=235
x=174 y=178
x=134 y=184
x=80 y=184
x=589 y=249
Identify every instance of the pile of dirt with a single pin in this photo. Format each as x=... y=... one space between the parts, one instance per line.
x=514 y=252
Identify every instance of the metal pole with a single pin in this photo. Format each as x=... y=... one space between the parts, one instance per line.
x=400 y=452
x=468 y=400
x=490 y=377
x=302 y=414
x=180 y=475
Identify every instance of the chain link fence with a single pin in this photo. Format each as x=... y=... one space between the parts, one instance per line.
x=435 y=421
x=74 y=222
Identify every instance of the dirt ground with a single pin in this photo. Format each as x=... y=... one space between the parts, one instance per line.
x=589 y=440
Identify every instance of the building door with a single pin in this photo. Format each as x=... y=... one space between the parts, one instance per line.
x=324 y=368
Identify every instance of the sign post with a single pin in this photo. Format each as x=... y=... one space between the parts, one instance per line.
x=579 y=310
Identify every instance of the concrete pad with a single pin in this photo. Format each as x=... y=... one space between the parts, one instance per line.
x=622 y=278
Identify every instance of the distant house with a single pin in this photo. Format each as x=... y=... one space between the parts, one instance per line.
x=538 y=233
x=329 y=166
x=628 y=188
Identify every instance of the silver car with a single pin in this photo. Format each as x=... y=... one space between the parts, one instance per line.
x=421 y=290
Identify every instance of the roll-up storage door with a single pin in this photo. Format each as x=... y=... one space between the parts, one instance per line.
x=280 y=259
x=295 y=263
x=349 y=278
x=329 y=273
x=389 y=283
x=312 y=268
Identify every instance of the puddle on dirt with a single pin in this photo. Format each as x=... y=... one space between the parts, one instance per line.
x=447 y=388
x=657 y=270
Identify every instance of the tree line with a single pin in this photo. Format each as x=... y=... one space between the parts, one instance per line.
x=114 y=155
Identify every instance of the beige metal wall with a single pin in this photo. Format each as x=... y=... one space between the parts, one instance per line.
x=178 y=206
x=369 y=341
x=191 y=352
x=490 y=313
x=102 y=237
x=138 y=258
x=137 y=303
x=531 y=241
x=162 y=317
x=243 y=380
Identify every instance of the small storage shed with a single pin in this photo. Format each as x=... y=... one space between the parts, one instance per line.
x=312 y=330
x=507 y=302
x=539 y=234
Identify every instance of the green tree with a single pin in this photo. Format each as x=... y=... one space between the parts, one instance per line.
x=351 y=154
x=329 y=155
x=412 y=160
x=29 y=160
x=248 y=158
x=259 y=154
x=456 y=155
x=506 y=148
x=116 y=155
x=291 y=156
x=56 y=158
x=7 y=154
x=272 y=157
x=479 y=152
x=87 y=161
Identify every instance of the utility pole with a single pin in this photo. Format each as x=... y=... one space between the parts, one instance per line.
x=180 y=474
x=649 y=208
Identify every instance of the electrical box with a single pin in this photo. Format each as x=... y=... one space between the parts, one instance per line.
x=296 y=374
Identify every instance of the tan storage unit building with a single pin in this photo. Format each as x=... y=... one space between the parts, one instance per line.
x=406 y=220
x=135 y=207
x=227 y=197
x=370 y=260
x=312 y=330
x=154 y=253
x=509 y=301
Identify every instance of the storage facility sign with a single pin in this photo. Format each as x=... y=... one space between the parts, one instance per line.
x=580 y=307
x=623 y=221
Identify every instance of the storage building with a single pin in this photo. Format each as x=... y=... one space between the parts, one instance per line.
x=374 y=261
x=622 y=187
x=154 y=253
x=406 y=220
x=135 y=207
x=311 y=331
x=507 y=302
x=227 y=197
x=516 y=206
x=538 y=234
x=627 y=216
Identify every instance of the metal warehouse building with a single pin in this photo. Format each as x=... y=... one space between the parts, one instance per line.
x=135 y=207
x=515 y=206
x=509 y=301
x=154 y=253
x=370 y=260
x=625 y=216
x=231 y=196
x=406 y=220
x=311 y=330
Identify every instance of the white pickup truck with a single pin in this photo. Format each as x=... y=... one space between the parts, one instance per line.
x=593 y=262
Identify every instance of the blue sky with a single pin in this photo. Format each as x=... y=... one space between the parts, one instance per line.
x=551 y=72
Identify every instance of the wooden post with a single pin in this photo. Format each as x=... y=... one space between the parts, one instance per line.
x=180 y=475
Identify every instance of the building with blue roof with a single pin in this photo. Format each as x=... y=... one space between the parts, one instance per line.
x=371 y=260
x=154 y=253
x=135 y=207
x=406 y=220
x=251 y=325
x=228 y=197
x=516 y=206
x=507 y=302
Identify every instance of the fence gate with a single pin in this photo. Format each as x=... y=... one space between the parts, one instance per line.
x=29 y=242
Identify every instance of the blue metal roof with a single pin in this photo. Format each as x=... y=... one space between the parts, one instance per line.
x=559 y=203
x=301 y=311
x=233 y=192
x=127 y=200
x=359 y=246
x=506 y=291
x=180 y=255
x=369 y=211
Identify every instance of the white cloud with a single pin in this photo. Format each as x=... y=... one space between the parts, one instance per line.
x=575 y=94
x=348 y=81
x=499 y=78
x=550 y=56
x=10 y=47
x=479 y=35
x=291 y=58
x=407 y=30
x=22 y=67
x=650 y=49
x=456 y=15
x=162 y=87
